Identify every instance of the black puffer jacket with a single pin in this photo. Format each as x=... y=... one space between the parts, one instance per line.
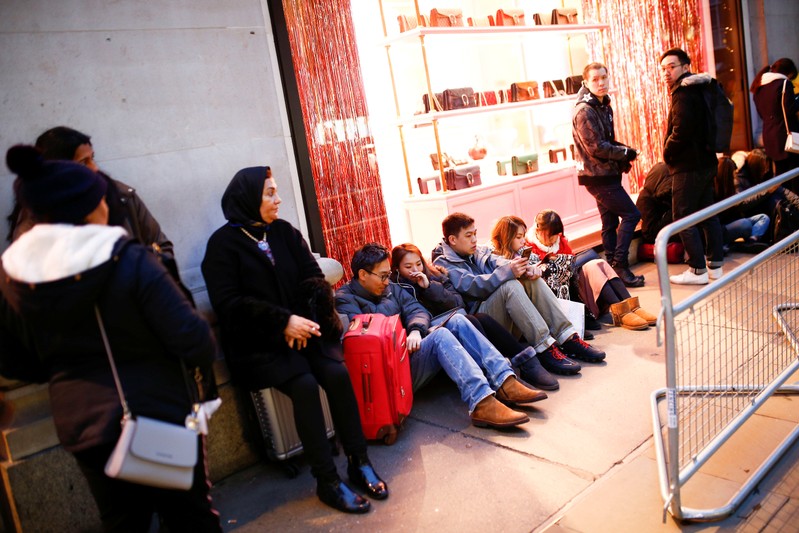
x=600 y=158
x=254 y=300
x=48 y=319
x=687 y=145
x=439 y=297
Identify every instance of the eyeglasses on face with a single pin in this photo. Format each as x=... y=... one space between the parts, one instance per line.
x=670 y=67
x=383 y=277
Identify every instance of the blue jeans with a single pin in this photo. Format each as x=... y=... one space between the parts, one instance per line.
x=753 y=227
x=614 y=204
x=464 y=354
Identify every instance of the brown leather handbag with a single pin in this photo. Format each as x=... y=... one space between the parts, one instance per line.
x=510 y=17
x=459 y=98
x=463 y=177
x=564 y=16
x=554 y=88
x=573 y=84
x=524 y=90
x=446 y=17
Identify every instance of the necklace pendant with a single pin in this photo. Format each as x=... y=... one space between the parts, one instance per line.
x=263 y=246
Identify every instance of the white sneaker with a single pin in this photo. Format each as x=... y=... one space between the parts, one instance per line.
x=690 y=278
x=715 y=273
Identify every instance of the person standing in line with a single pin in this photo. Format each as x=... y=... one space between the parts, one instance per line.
x=70 y=265
x=773 y=93
x=601 y=161
x=692 y=165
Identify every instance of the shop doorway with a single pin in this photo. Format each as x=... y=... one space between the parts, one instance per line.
x=730 y=57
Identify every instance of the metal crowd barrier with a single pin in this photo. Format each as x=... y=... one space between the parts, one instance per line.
x=730 y=346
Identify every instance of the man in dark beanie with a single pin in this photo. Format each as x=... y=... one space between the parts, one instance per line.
x=56 y=279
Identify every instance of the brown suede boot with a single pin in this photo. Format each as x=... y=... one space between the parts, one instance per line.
x=623 y=317
x=513 y=391
x=492 y=413
x=635 y=307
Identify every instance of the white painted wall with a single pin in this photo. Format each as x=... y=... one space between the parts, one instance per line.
x=177 y=95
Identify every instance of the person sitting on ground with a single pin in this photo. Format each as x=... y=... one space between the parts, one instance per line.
x=430 y=285
x=599 y=288
x=259 y=272
x=484 y=378
x=512 y=292
x=756 y=169
x=654 y=202
x=750 y=229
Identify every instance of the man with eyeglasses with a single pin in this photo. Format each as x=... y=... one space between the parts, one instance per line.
x=484 y=377
x=692 y=165
x=601 y=161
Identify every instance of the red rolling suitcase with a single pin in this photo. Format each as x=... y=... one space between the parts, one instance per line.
x=377 y=359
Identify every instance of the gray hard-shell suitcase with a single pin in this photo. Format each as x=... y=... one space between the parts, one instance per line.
x=276 y=418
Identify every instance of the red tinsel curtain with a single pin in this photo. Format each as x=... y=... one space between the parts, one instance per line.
x=328 y=73
x=639 y=33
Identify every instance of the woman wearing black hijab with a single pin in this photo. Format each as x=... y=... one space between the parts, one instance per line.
x=256 y=268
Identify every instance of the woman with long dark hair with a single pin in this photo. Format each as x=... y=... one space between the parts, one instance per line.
x=430 y=285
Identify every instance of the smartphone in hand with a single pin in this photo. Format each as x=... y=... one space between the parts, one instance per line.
x=526 y=252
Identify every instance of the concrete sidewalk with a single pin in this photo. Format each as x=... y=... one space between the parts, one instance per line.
x=584 y=463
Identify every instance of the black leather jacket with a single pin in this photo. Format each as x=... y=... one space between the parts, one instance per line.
x=600 y=158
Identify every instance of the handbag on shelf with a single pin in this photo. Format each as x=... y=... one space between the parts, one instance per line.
x=524 y=164
x=524 y=90
x=553 y=88
x=510 y=17
x=407 y=22
x=502 y=167
x=437 y=99
x=573 y=84
x=481 y=21
x=792 y=141
x=564 y=16
x=488 y=98
x=478 y=150
x=149 y=451
x=446 y=17
x=538 y=20
x=553 y=155
x=424 y=183
x=460 y=98
x=462 y=177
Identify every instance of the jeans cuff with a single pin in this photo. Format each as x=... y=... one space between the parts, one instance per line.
x=473 y=407
x=522 y=357
x=566 y=334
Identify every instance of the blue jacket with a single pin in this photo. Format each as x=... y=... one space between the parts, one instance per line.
x=477 y=276
x=352 y=299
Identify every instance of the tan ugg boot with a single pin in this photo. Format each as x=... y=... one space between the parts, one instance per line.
x=623 y=317
x=635 y=307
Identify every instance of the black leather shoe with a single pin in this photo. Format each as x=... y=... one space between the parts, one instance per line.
x=363 y=476
x=340 y=496
x=627 y=277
